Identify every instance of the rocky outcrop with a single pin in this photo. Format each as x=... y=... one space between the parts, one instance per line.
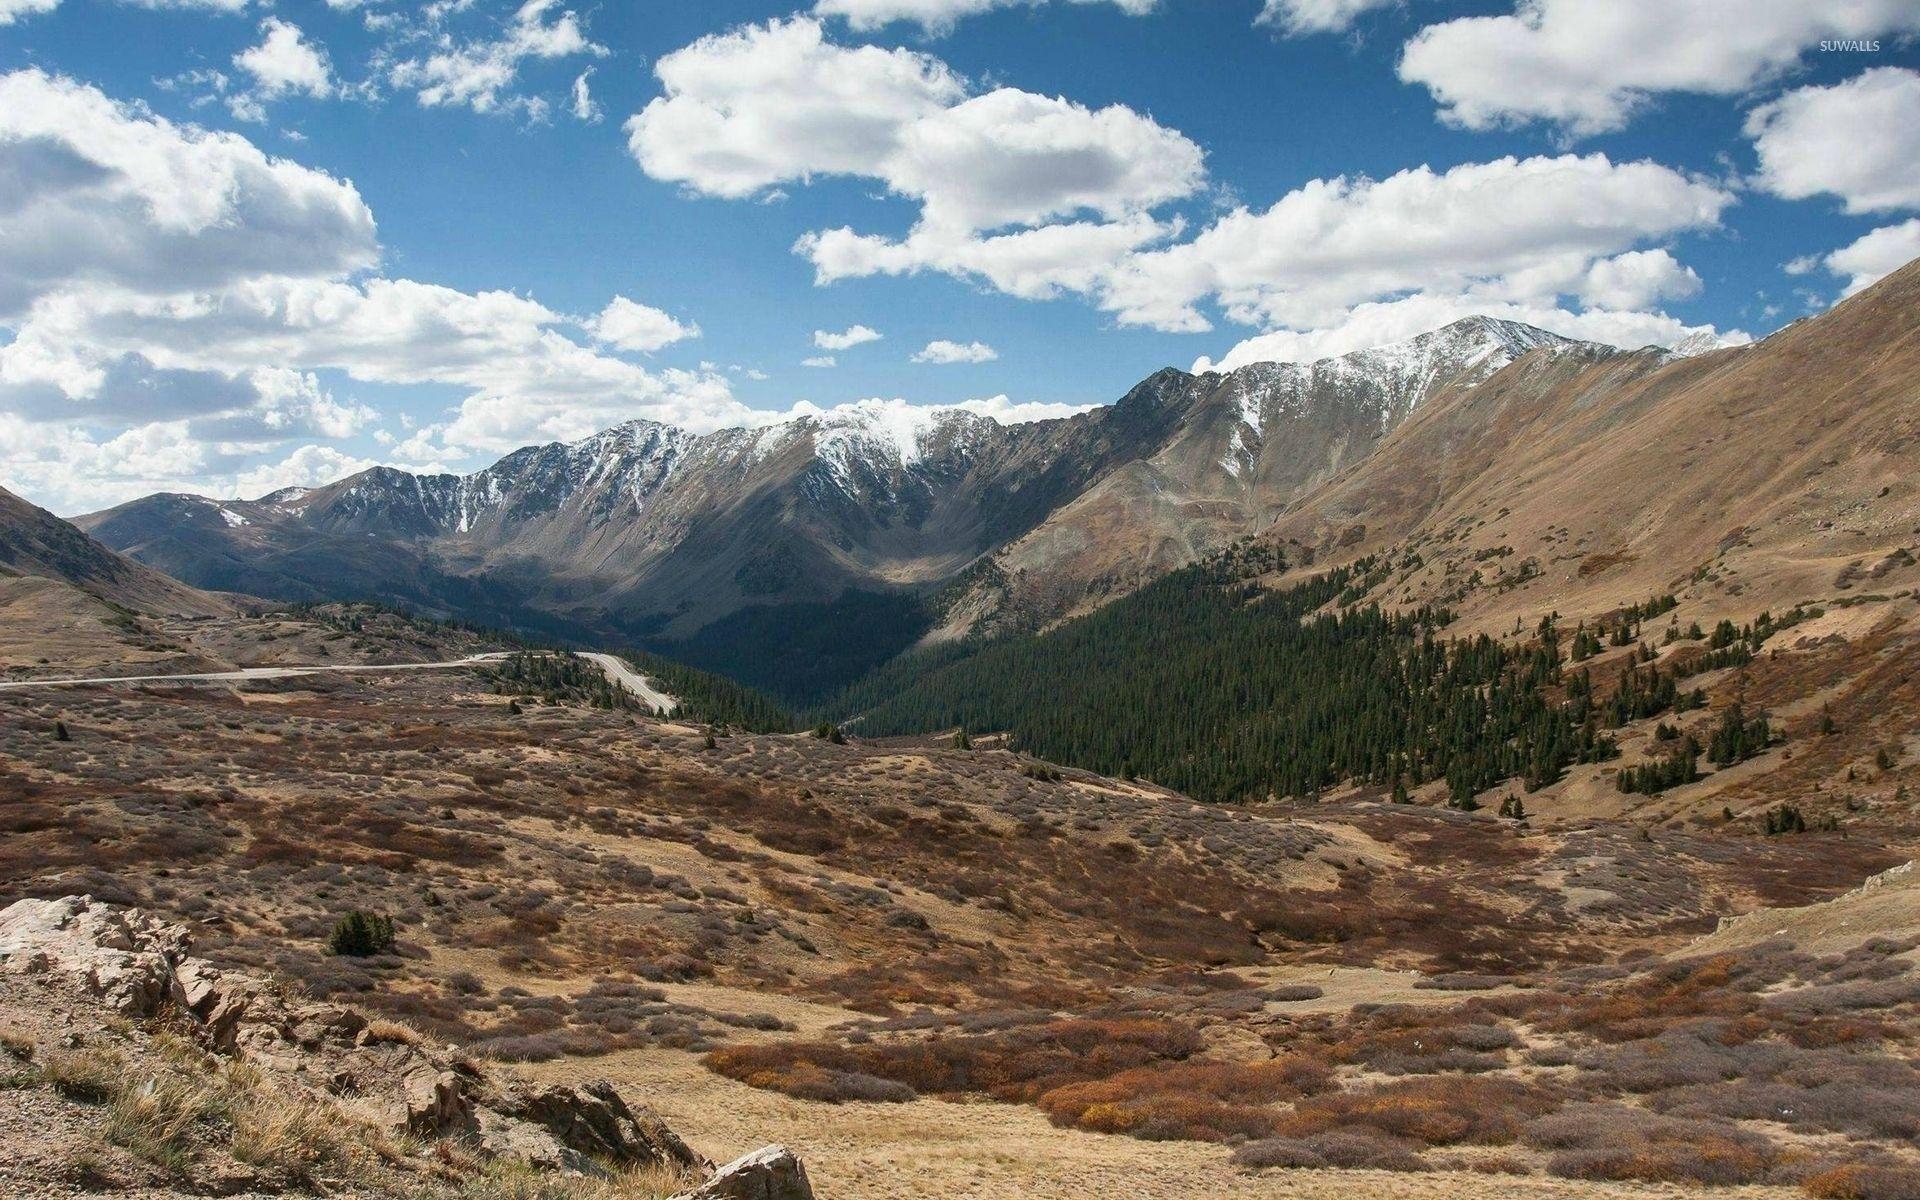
x=136 y=964
x=124 y=957
x=769 y=1173
x=595 y=1121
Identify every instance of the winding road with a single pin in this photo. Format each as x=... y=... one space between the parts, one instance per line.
x=616 y=669
x=624 y=675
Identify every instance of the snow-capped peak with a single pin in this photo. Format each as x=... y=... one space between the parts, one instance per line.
x=890 y=429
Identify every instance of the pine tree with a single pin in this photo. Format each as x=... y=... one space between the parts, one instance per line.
x=360 y=934
x=60 y=733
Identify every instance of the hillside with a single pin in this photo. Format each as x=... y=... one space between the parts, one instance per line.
x=36 y=544
x=1742 y=479
x=1487 y=607
x=66 y=598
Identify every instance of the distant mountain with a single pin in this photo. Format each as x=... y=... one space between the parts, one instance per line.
x=799 y=554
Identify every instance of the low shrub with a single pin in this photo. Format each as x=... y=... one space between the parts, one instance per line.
x=1435 y=1111
x=1865 y=1181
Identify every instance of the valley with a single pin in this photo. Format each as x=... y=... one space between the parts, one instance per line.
x=1439 y=817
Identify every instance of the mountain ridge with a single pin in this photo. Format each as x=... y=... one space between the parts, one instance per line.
x=650 y=533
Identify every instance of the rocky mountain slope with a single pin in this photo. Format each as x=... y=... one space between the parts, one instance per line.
x=649 y=532
x=1256 y=439
x=1742 y=480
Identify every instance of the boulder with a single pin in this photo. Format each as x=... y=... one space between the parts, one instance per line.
x=769 y=1173
x=124 y=956
x=595 y=1121
x=437 y=1103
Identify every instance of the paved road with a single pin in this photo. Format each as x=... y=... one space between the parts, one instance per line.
x=624 y=675
x=616 y=669
x=247 y=673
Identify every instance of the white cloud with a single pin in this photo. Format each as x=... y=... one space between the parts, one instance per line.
x=1013 y=158
x=1379 y=323
x=527 y=380
x=940 y=16
x=639 y=327
x=942 y=351
x=1590 y=66
x=1298 y=18
x=13 y=10
x=1032 y=264
x=779 y=103
x=822 y=361
x=480 y=74
x=1510 y=229
x=584 y=107
x=1859 y=140
x=1876 y=255
x=285 y=63
x=108 y=196
x=855 y=335
x=177 y=293
x=1637 y=279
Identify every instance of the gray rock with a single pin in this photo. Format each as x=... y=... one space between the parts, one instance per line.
x=769 y=1173
x=595 y=1121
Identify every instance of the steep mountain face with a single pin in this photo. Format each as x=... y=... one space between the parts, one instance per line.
x=1258 y=438
x=1742 y=478
x=810 y=549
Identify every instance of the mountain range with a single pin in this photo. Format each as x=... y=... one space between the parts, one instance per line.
x=798 y=556
x=802 y=553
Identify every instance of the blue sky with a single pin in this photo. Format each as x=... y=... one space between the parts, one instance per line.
x=264 y=244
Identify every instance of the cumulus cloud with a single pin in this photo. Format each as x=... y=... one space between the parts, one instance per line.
x=780 y=103
x=821 y=361
x=940 y=16
x=1383 y=322
x=1858 y=140
x=480 y=73
x=1637 y=279
x=1298 y=18
x=178 y=294
x=107 y=196
x=941 y=351
x=1508 y=230
x=1876 y=255
x=285 y=63
x=854 y=335
x=1589 y=67
x=639 y=327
